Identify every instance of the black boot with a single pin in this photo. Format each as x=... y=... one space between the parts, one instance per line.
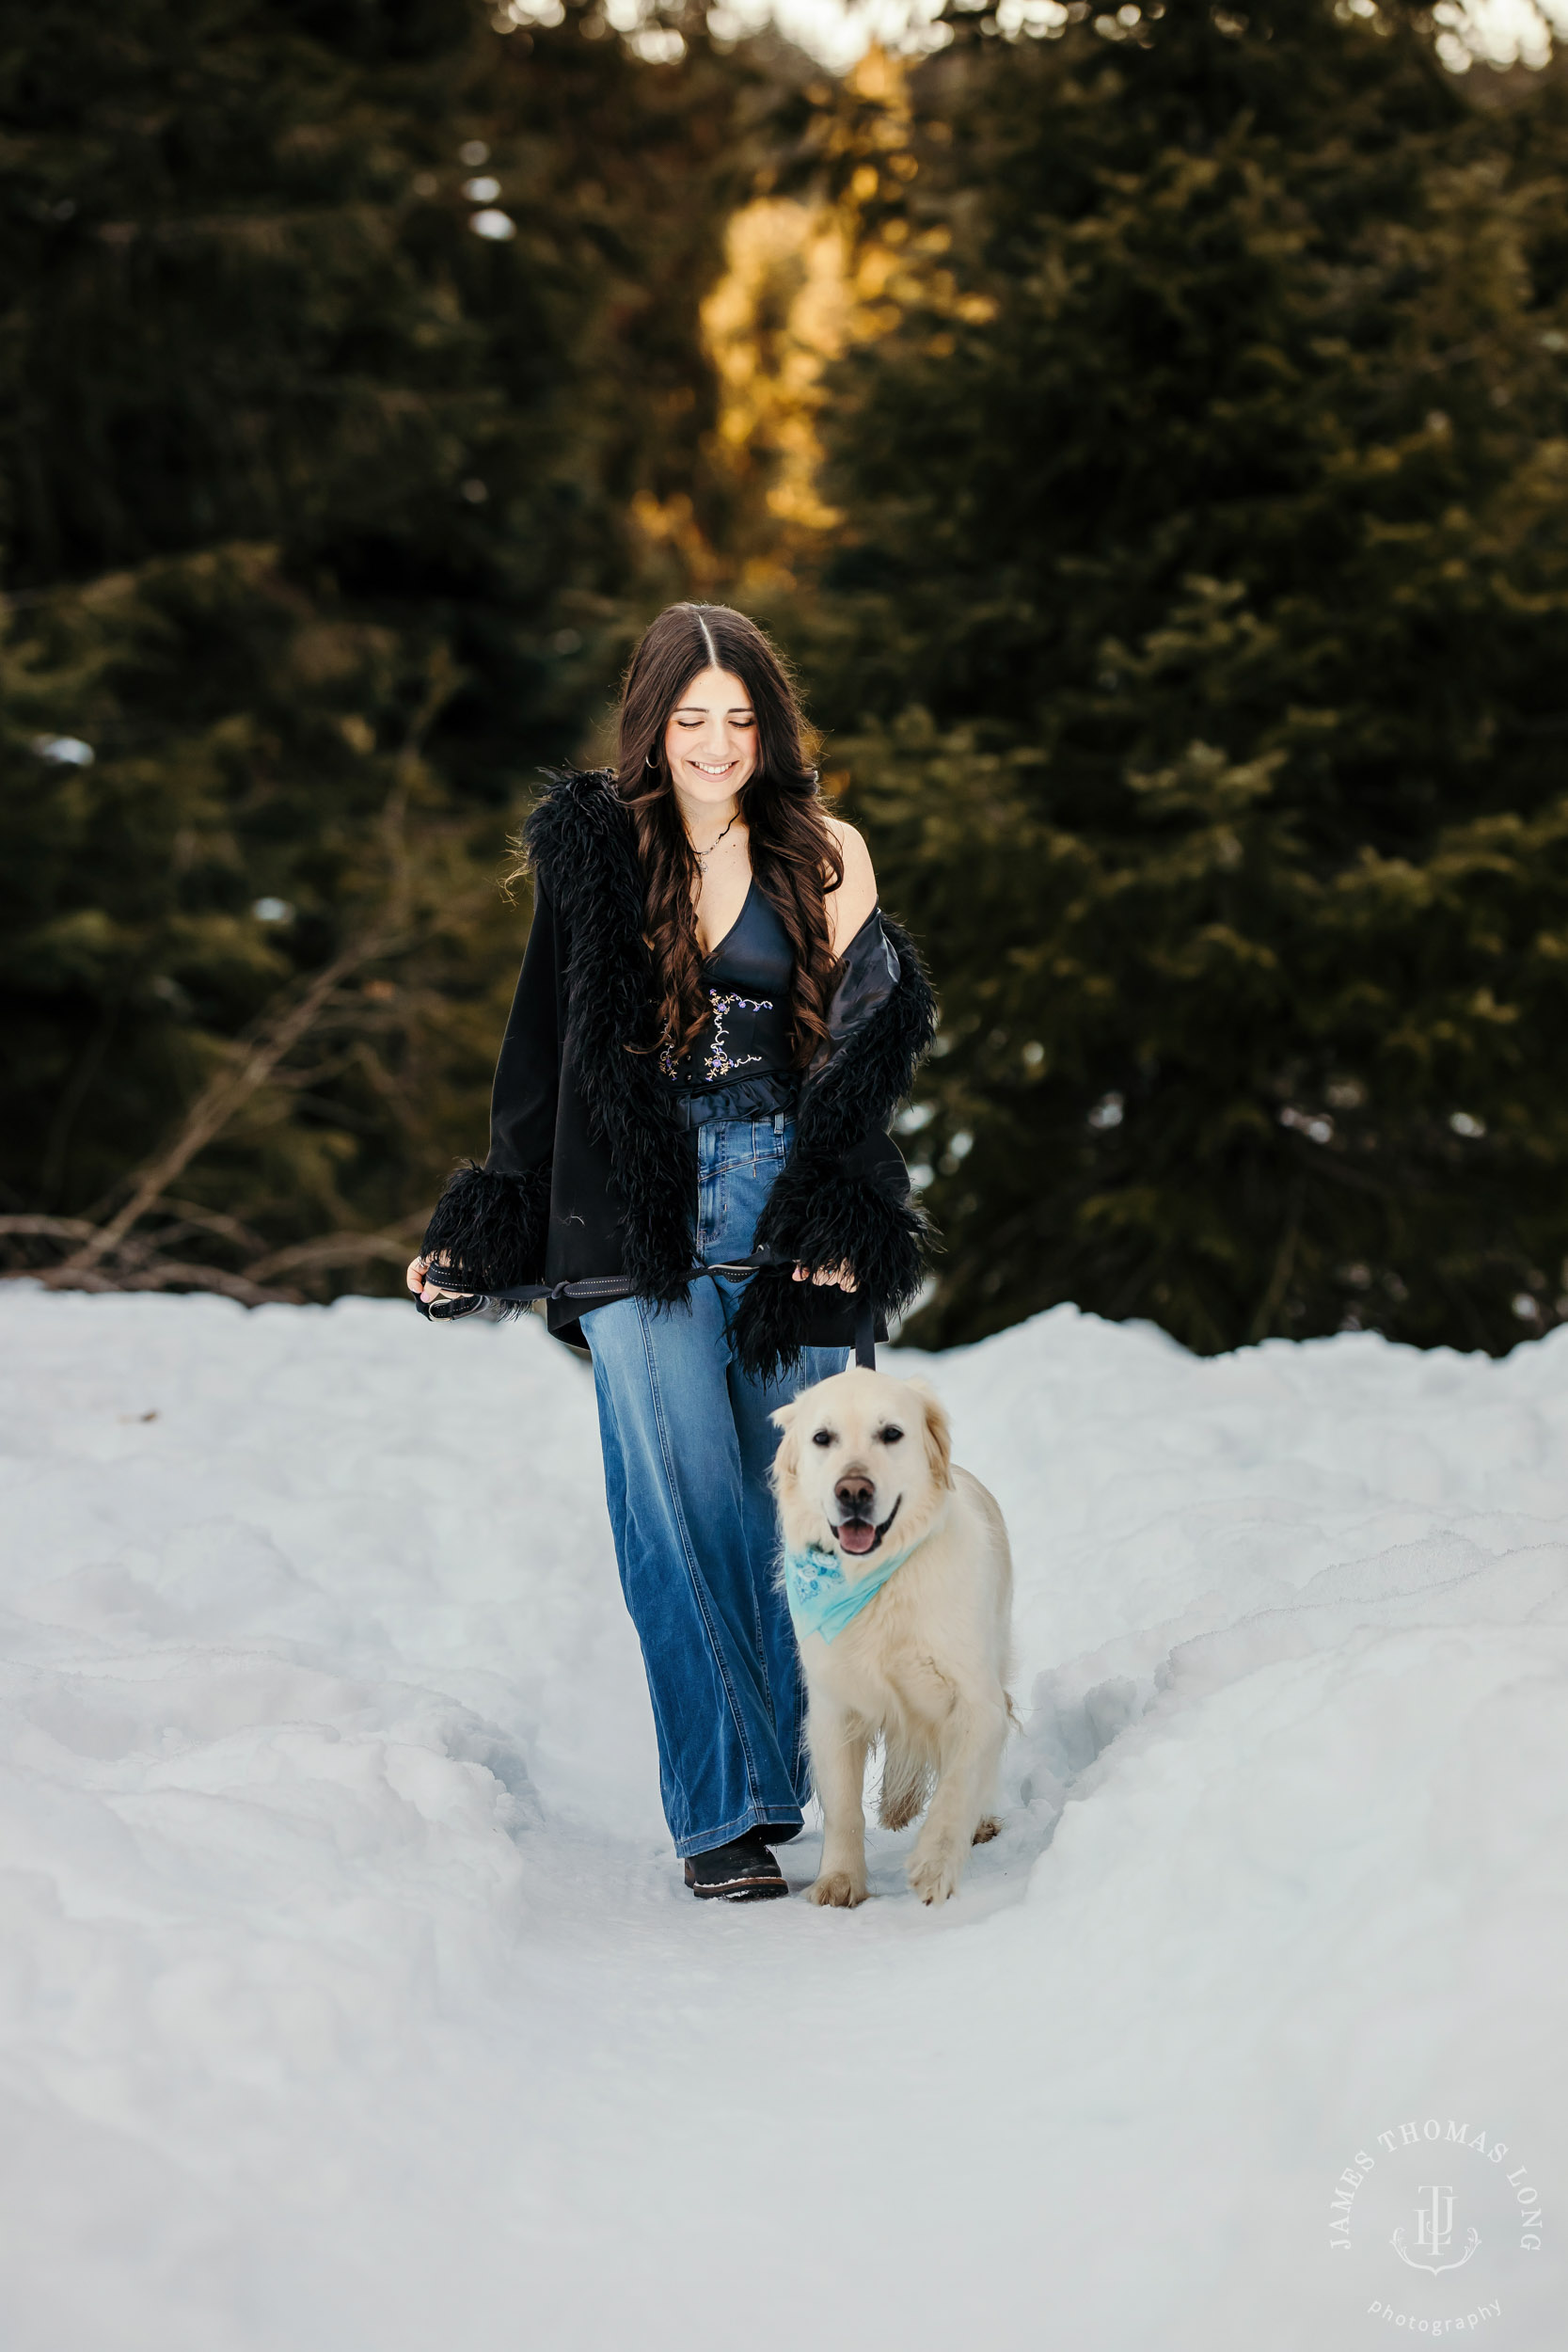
x=744 y=1871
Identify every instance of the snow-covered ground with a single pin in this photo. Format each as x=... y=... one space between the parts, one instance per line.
x=350 y=2000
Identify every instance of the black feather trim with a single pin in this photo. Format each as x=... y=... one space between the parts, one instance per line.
x=774 y=1322
x=866 y=1076
x=838 y=1198
x=818 y=1215
x=582 y=838
x=492 y=1228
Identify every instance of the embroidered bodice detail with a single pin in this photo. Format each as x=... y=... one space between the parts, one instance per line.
x=717 y=1059
x=746 y=981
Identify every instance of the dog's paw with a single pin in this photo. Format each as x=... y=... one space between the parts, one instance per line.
x=935 y=1876
x=837 y=1888
x=986 y=1828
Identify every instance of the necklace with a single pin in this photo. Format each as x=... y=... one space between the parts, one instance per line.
x=703 y=856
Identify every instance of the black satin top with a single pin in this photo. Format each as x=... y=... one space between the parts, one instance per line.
x=737 y=1065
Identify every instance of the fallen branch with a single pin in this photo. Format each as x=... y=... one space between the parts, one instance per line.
x=138 y=1264
x=328 y=1250
x=171 y=1273
x=48 y=1227
x=225 y=1094
x=111 y=1254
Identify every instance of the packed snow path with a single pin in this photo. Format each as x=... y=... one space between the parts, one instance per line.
x=350 y=2000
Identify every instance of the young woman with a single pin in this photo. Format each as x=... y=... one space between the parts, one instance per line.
x=712 y=1027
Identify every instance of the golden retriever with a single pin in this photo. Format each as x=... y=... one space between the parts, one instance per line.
x=868 y=1497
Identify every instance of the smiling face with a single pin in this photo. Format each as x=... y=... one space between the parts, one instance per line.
x=864 y=1463
x=710 y=740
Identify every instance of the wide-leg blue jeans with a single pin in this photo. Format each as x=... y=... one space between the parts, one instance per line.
x=686 y=1449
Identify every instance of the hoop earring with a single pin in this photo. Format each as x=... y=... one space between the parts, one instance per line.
x=650 y=761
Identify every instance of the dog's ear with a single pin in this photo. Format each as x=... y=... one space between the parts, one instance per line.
x=938 y=1433
x=787 y=1457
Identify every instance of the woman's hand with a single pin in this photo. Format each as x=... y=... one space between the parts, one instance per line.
x=414 y=1277
x=841 y=1276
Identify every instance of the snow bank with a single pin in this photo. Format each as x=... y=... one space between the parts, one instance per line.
x=349 y=1996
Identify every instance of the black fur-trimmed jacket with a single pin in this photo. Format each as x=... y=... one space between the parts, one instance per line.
x=588 y=1172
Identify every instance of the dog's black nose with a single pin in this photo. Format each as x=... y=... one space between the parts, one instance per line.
x=854 y=1497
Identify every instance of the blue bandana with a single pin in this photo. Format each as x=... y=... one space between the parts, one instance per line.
x=821 y=1597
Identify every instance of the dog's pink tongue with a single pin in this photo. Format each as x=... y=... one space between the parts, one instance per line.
x=854 y=1536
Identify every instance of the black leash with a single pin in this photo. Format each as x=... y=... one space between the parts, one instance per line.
x=599 y=1289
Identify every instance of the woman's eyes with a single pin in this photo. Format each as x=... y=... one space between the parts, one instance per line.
x=749 y=722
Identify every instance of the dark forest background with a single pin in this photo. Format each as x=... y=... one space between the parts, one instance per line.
x=1176 y=550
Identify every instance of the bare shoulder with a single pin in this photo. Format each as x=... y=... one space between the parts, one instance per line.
x=849 y=905
x=851 y=847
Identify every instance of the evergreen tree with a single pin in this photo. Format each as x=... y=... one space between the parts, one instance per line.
x=1197 y=637
x=343 y=345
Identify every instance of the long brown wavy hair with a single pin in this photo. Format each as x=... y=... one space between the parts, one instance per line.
x=794 y=860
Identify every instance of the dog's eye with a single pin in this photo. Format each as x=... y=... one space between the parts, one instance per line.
x=821 y=1437
x=891 y=1435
